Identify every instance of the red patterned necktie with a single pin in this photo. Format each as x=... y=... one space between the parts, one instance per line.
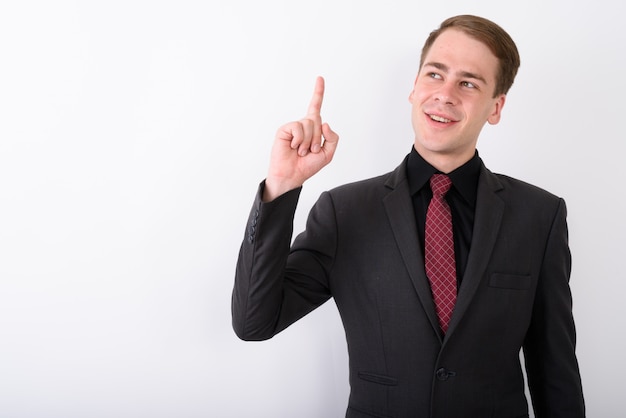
x=439 y=250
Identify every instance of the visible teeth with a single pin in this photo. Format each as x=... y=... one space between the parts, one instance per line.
x=440 y=119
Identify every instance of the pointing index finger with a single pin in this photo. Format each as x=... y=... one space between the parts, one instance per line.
x=315 y=107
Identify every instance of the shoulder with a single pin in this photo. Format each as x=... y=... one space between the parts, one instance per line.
x=374 y=186
x=517 y=187
x=523 y=197
x=362 y=192
x=361 y=186
x=364 y=196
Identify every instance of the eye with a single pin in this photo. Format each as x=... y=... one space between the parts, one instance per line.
x=435 y=76
x=469 y=85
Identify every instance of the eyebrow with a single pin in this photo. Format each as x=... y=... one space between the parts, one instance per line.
x=463 y=74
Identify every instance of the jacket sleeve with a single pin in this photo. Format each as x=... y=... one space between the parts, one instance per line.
x=549 y=349
x=275 y=285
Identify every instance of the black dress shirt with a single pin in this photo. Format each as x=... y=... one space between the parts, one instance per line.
x=461 y=198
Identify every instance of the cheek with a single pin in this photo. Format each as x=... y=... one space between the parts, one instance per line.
x=421 y=93
x=414 y=98
x=480 y=114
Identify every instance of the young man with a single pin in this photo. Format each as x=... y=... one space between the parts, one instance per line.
x=424 y=341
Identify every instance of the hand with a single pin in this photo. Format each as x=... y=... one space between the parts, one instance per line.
x=299 y=151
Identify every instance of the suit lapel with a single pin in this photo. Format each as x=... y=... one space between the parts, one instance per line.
x=488 y=217
x=399 y=207
x=487 y=220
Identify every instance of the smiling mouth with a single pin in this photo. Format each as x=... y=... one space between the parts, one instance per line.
x=439 y=119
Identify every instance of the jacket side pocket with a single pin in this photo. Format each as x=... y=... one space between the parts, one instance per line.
x=378 y=378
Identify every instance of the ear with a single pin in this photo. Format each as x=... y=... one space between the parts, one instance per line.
x=494 y=118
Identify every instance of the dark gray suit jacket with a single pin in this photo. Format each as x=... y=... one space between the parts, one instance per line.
x=360 y=247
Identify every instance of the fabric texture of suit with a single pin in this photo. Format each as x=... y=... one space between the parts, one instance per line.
x=360 y=247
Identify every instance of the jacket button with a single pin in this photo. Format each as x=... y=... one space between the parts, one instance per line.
x=251 y=233
x=443 y=374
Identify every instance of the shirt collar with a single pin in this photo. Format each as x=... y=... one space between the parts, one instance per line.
x=464 y=178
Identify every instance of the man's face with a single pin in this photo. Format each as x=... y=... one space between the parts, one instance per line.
x=453 y=98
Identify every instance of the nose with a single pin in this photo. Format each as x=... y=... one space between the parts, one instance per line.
x=445 y=94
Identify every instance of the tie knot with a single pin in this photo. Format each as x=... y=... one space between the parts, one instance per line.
x=440 y=184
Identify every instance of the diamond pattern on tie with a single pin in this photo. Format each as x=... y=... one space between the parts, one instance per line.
x=439 y=250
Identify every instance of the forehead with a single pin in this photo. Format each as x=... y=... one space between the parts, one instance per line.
x=462 y=53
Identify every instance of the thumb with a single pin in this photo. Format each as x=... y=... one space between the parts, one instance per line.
x=330 y=139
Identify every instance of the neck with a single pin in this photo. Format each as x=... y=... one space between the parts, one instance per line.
x=445 y=163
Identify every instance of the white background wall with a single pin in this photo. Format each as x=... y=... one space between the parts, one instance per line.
x=133 y=135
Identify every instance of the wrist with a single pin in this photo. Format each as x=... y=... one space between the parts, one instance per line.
x=275 y=187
